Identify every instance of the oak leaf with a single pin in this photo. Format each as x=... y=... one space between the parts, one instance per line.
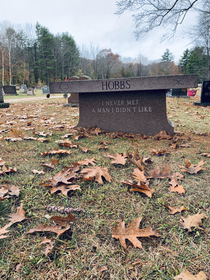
x=52 y=163
x=87 y=161
x=64 y=189
x=193 y=221
x=186 y=275
x=56 y=229
x=55 y=151
x=132 y=232
x=62 y=221
x=66 y=143
x=174 y=210
x=134 y=158
x=175 y=187
x=18 y=216
x=163 y=135
x=96 y=173
x=164 y=173
x=192 y=168
x=37 y=171
x=4 y=231
x=160 y=152
x=141 y=187
x=118 y=158
x=2 y=162
x=85 y=150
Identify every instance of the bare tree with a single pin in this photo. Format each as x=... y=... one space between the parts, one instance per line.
x=149 y=14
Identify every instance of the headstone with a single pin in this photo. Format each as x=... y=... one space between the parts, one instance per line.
x=10 y=90
x=45 y=89
x=17 y=87
x=2 y=104
x=178 y=92
x=205 y=95
x=74 y=97
x=23 y=88
x=30 y=91
x=131 y=105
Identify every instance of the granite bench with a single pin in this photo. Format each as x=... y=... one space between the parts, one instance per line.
x=131 y=105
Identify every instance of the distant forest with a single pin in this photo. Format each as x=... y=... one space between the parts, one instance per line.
x=34 y=56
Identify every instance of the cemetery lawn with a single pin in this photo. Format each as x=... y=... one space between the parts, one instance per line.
x=38 y=93
x=87 y=249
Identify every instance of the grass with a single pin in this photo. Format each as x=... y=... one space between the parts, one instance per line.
x=38 y=93
x=88 y=251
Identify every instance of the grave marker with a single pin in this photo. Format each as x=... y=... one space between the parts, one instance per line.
x=2 y=104
x=45 y=90
x=132 y=105
x=205 y=95
x=178 y=92
x=10 y=90
x=23 y=88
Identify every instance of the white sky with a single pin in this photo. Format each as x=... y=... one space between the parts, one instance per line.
x=92 y=21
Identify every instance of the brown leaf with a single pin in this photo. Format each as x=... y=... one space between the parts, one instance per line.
x=186 y=275
x=52 y=163
x=4 y=231
x=163 y=135
x=192 y=168
x=49 y=248
x=9 y=189
x=2 y=162
x=139 y=176
x=7 y=170
x=174 y=210
x=160 y=152
x=141 y=187
x=64 y=189
x=205 y=154
x=62 y=221
x=118 y=158
x=175 y=187
x=156 y=173
x=87 y=161
x=85 y=150
x=132 y=232
x=55 y=151
x=37 y=171
x=56 y=229
x=42 y=140
x=193 y=221
x=96 y=173
x=19 y=216
x=66 y=143
x=133 y=158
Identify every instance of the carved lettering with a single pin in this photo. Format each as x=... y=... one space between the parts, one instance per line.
x=116 y=85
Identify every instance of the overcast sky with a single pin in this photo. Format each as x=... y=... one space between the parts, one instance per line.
x=92 y=21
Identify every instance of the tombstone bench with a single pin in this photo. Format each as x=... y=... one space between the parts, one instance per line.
x=131 y=105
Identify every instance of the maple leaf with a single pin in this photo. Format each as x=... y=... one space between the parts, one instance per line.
x=118 y=158
x=191 y=168
x=193 y=221
x=186 y=275
x=87 y=161
x=156 y=173
x=132 y=232
x=62 y=221
x=56 y=229
x=174 y=210
x=19 y=216
x=89 y=174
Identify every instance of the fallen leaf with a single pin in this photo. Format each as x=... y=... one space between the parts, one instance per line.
x=85 y=150
x=18 y=216
x=87 y=161
x=192 y=168
x=64 y=189
x=142 y=188
x=37 y=172
x=66 y=143
x=174 y=210
x=56 y=229
x=4 y=231
x=132 y=232
x=139 y=176
x=160 y=152
x=96 y=173
x=51 y=164
x=186 y=275
x=55 y=151
x=133 y=158
x=193 y=221
x=118 y=158
x=62 y=221
x=2 y=162
x=156 y=173
x=163 y=135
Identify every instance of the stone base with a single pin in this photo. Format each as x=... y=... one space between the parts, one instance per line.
x=4 y=105
x=74 y=105
x=66 y=105
x=201 y=104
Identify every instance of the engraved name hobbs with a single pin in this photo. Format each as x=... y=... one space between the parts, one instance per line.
x=114 y=85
